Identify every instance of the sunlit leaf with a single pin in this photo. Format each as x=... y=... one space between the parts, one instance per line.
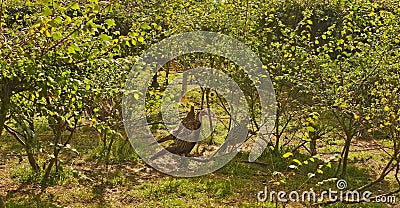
x=288 y=154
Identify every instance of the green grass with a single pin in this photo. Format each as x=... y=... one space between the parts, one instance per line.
x=236 y=184
x=126 y=182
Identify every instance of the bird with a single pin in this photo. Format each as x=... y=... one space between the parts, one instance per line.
x=188 y=129
x=186 y=122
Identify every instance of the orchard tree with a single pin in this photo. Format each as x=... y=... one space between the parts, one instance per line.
x=49 y=53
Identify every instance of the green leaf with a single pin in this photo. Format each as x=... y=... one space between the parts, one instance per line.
x=329 y=165
x=310 y=129
x=46 y=11
x=56 y=36
x=136 y=96
x=71 y=49
x=287 y=154
x=75 y=6
x=99 y=128
x=297 y=161
x=145 y=26
x=105 y=37
x=58 y=20
x=47 y=33
x=110 y=22
x=141 y=39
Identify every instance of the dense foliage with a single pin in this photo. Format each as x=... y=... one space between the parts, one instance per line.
x=334 y=66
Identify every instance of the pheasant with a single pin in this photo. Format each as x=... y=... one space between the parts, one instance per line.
x=186 y=122
x=189 y=129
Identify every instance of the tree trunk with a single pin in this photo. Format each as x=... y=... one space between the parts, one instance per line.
x=31 y=158
x=48 y=170
x=51 y=164
x=56 y=126
x=313 y=146
x=108 y=152
x=29 y=151
x=313 y=143
x=154 y=82
x=277 y=134
x=2 y=204
x=346 y=155
x=5 y=102
x=26 y=140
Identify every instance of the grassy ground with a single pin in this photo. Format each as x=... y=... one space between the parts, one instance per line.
x=126 y=182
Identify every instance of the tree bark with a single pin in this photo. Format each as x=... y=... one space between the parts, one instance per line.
x=2 y=204
x=31 y=158
x=313 y=145
x=26 y=142
x=29 y=151
x=5 y=102
x=56 y=125
x=346 y=154
x=277 y=135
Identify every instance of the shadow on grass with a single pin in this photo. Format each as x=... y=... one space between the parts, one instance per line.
x=28 y=195
x=236 y=184
x=31 y=201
